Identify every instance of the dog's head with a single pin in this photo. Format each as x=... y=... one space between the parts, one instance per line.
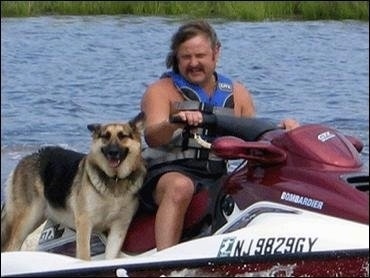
x=116 y=147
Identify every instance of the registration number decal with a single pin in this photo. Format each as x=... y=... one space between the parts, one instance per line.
x=266 y=246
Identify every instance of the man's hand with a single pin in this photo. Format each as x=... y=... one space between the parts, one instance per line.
x=192 y=118
x=289 y=124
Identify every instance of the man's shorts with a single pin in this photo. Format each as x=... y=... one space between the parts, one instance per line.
x=202 y=172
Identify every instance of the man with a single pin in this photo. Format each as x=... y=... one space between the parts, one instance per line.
x=176 y=169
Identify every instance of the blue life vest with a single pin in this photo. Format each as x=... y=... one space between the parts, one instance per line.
x=181 y=146
x=221 y=97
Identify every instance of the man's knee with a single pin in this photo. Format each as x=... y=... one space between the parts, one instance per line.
x=178 y=188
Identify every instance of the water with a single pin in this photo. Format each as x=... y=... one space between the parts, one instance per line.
x=59 y=74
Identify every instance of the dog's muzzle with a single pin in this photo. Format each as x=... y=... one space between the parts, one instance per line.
x=114 y=154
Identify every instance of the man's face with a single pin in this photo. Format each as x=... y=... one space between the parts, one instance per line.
x=197 y=60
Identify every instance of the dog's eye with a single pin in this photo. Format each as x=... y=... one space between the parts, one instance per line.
x=106 y=135
x=121 y=135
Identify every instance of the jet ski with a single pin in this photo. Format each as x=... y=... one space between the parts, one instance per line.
x=296 y=203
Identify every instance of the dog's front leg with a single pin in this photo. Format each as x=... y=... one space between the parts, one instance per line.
x=83 y=235
x=115 y=240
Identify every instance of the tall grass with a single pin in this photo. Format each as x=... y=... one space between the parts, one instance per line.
x=233 y=10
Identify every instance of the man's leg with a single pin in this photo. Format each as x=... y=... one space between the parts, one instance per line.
x=173 y=195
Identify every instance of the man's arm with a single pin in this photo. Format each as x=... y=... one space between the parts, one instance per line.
x=243 y=101
x=156 y=104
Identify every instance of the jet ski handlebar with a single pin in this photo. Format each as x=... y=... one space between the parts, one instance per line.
x=248 y=129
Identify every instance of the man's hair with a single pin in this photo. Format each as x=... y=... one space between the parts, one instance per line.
x=185 y=32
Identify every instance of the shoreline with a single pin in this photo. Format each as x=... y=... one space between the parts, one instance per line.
x=229 y=10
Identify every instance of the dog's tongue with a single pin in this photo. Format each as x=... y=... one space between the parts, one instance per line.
x=114 y=163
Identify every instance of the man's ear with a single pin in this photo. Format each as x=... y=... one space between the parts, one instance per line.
x=217 y=52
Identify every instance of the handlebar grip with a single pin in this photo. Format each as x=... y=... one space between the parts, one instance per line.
x=208 y=119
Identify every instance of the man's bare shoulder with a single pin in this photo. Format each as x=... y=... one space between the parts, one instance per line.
x=160 y=84
x=238 y=86
x=165 y=88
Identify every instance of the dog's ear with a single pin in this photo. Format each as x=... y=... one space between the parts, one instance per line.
x=94 y=127
x=138 y=121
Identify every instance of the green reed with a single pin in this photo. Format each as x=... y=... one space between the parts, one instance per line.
x=231 y=10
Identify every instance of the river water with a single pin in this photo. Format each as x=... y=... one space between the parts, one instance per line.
x=60 y=73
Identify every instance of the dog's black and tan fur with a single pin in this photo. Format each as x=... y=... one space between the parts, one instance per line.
x=93 y=192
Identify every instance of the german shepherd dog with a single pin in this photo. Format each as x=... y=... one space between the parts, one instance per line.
x=86 y=192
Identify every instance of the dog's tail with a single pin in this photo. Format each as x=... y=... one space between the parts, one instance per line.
x=4 y=227
x=5 y=224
